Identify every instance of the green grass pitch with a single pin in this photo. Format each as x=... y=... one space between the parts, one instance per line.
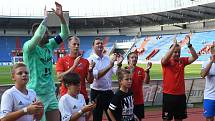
x=191 y=71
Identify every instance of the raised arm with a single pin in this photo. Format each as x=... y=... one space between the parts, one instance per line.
x=168 y=55
x=64 y=28
x=192 y=51
x=205 y=71
x=38 y=35
x=147 y=71
x=120 y=58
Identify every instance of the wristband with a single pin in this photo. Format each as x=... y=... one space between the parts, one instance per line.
x=58 y=39
x=189 y=45
x=80 y=112
x=25 y=110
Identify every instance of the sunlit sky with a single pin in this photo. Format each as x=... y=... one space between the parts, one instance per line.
x=92 y=7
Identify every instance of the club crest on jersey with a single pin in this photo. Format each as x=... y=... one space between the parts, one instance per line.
x=139 y=73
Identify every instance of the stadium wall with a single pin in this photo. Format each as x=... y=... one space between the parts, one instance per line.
x=194 y=90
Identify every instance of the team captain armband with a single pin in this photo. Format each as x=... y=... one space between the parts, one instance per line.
x=58 y=39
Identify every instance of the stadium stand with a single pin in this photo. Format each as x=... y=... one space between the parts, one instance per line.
x=177 y=17
x=199 y=40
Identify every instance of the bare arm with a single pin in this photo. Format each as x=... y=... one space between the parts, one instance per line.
x=192 y=51
x=147 y=77
x=105 y=70
x=14 y=115
x=194 y=55
x=89 y=113
x=31 y=109
x=102 y=72
x=61 y=74
x=205 y=71
x=116 y=57
x=90 y=76
x=76 y=116
x=147 y=71
x=71 y=69
x=168 y=55
x=111 y=115
x=85 y=109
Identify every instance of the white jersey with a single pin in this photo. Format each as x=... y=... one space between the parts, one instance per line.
x=209 y=92
x=69 y=105
x=13 y=100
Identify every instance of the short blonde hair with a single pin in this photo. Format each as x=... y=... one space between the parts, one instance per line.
x=121 y=73
x=17 y=65
x=73 y=38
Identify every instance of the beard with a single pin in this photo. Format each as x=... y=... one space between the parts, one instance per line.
x=45 y=40
x=176 y=58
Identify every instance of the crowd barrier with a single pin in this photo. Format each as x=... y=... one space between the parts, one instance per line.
x=194 y=89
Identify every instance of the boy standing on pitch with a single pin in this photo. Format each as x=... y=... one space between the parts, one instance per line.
x=19 y=103
x=122 y=105
x=72 y=105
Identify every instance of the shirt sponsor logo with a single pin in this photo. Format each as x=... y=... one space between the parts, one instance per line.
x=20 y=103
x=74 y=107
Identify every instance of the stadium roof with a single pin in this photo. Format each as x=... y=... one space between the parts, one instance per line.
x=189 y=14
x=197 y=13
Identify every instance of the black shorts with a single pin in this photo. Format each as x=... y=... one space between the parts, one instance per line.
x=174 y=106
x=139 y=111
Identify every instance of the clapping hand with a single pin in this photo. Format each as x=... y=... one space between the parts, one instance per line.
x=120 y=58
x=92 y=65
x=45 y=13
x=175 y=40
x=212 y=58
x=149 y=65
x=38 y=116
x=187 y=37
x=77 y=59
x=58 y=11
x=89 y=107
x=113 y=58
